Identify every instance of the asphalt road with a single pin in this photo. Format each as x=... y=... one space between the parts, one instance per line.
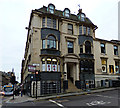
x=109 y=99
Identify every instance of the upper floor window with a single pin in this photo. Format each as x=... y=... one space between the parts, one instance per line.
x=102 y=48
x=87 y=47
x=51 y=8
x=115 y=50
x=82 y=17
x=43 y=22
x=51 y=42
x=70 y=28
x=70 y=47
x=85 y=30
x=51 y=23
x=80 y=30
x=88 y=30
x=67 y=12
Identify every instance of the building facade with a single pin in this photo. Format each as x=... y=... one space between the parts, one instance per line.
x=62 y=47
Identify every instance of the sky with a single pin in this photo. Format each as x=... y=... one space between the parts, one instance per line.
x=15 y=16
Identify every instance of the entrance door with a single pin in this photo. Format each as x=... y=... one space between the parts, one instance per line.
x=70 y=71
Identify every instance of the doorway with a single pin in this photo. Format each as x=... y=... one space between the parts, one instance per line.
x=70 y=71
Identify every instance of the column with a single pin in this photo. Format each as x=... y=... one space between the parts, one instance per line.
x=65 y=70
x=77 y=71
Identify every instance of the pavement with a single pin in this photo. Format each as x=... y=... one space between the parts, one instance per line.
x=25 y=98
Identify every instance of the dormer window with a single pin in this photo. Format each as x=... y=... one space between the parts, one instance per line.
x=82 y=17
x=66 y=12
x=51 y=8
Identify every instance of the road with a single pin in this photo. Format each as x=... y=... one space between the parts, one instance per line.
x=102 y=99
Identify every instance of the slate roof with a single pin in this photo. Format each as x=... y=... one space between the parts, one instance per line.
x=73 y=17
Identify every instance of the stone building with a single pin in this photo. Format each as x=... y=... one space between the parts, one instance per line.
x=60 y=45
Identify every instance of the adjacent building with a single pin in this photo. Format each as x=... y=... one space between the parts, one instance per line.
x=63 y=48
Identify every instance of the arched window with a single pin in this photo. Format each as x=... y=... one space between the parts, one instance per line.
x=51 y=42
x=51 y=8
x=66 y=12
x=87 y=47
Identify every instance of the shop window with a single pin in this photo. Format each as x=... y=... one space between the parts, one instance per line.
x=51 y=42
x=87 y=47
x=111 y=68
x=70 y=47
x=102 y=48
x=43 y=64
x=48 y=64
x=115 y=50
x=54 y=64
x=104 y=65
x=70 y=29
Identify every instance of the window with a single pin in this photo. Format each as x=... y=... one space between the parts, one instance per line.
x=43 y=22
x=84 y=28
x=70 y=28
x=80 y=30
x=70 y=47
x=67 y=12
x=111 y=68
x=82 y=17
x=51 y=23
x=87 y=47
x=117 y=68
x=51 y=8
x=115 y=50
x=88 y=30
x=54 y=64
x=48 y=64
x=81 y=49
x=43 y=64
x=43 y=44
x=51 y=42
x=54 y=23
x=102 y=48
x=104 y=65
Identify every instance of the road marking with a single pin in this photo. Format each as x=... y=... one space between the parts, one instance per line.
x=107 y=96
x=97 y=103
x=56 y=103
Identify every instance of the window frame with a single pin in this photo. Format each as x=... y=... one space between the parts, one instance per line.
x=115 y=50
x=105 y=65
x=88 y=47
x=70 y=50
x=103 y=49
x=70 y=29
x=51 y=42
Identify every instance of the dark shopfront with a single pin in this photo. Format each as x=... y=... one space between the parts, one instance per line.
x=87 y=76
x=49 y=83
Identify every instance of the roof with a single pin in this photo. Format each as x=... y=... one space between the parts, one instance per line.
x=73 y=17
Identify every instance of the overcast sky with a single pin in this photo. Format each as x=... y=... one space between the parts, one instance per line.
x=15 y=15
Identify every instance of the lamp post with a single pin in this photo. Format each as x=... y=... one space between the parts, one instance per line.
x=13 y=81
x=36 y=75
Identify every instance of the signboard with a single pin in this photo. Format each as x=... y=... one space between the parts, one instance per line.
x=31 y=68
